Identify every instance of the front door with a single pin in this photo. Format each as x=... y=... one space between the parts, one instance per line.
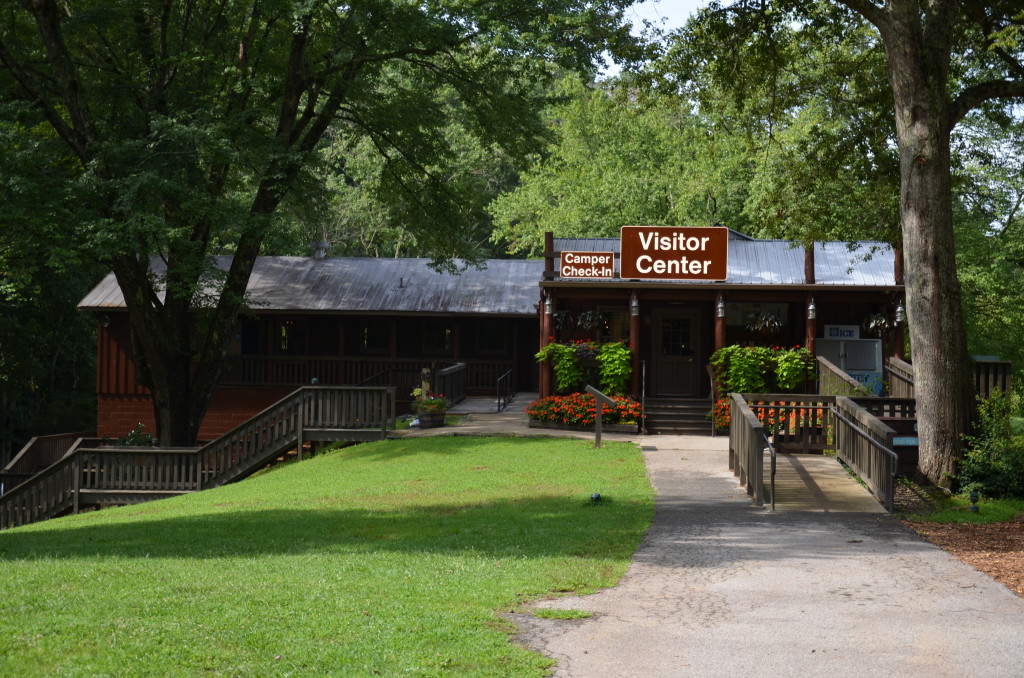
x=676 y=352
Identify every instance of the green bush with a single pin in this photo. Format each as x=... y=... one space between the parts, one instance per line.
x=614 y=362
x=762 y=369
x=994 y=462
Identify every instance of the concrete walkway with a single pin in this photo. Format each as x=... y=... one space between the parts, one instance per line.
x=817 y=588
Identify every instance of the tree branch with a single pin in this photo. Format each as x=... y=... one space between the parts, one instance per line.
x=975 y=95
x=875 y=15
x=47 y=17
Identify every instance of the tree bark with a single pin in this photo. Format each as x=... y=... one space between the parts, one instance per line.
x=918 y=51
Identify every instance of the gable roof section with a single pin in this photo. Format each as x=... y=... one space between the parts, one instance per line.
x=778 y=262
x=506 y=287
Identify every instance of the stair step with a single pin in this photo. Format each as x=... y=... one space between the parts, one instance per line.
x=678 y=416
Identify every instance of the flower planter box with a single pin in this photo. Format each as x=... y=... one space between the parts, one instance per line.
x=605 y=428
x=432 y=419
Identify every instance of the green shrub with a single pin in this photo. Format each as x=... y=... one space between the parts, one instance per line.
x=994 y=462
x=614 y=361
x=762 y=369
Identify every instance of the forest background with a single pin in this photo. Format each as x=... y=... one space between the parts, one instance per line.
x=799 y=144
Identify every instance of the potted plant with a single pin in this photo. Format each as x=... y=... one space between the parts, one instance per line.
x=431 y=407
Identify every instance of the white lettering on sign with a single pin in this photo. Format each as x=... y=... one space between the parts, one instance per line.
x=674 y=242
x=587 y=265
x=683 y=266
x=674 y=253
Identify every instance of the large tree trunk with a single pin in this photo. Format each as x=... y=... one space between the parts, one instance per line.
x=918 y=54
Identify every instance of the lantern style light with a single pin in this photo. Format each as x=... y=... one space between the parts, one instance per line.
x=720 y=308
x=634 y=306
x=812 y=310
x=549 y=308
x=901 y=313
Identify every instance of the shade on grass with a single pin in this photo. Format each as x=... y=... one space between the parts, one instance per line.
x=381 y=559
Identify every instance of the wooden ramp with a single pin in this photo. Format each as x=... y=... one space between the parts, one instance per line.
x=106 y=476
x=807 y=482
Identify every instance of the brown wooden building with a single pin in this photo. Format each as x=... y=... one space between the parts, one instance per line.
x=771 y=293
x=344 y=321
x=362 y=321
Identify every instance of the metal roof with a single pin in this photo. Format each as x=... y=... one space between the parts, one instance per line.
x=507 y=287
x=779 y=262
x=365 y=285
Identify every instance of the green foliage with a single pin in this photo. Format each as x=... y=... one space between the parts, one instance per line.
x=47 y=347
x=782 y=83
x=793 y=368
x=565 y=363
x=197 y=129
x=561 y=614
x=762 y=369
x=430 y=403
x=616 y=160
x=614 y=360
x=994 y=462
x=137 y=437
x=616 y=366
x=388 y=558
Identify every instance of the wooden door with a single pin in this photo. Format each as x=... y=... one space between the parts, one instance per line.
x=676 y=352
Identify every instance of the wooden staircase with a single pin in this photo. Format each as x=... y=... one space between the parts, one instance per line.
x=678 y=416
x=108 y=476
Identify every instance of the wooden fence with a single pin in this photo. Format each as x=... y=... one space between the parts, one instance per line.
x=900 y=377
x=865 y=444
x=116 y=475
x=39 y=453
x=402 y=373
x=833 y=381
x=796 y=423
x=747 y=445
x=451 y=381
x=989 y=376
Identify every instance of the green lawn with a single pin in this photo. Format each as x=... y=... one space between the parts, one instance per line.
x=380 y=559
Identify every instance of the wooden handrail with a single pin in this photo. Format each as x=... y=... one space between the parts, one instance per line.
x=326 y=413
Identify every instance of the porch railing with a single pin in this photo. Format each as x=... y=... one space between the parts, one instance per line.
x=803 y=423
x=865 y=444
x=39 y=453
x=748 y=444
x=834 y=381
x=451 y=381
x=122 y=475
x=901 y=378
x=506 y=388
x=989 y=376
x=274 y=370
x=796 y=423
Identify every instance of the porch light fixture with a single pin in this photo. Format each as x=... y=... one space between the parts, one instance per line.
x=720 y=308
x=901 y=313
x=549 y=308
x=812 y=310
x=634 y=306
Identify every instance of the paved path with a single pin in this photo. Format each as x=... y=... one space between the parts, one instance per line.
x=826 y=586
x=719 y=588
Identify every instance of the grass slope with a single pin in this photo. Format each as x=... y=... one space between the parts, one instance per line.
x=380 y=559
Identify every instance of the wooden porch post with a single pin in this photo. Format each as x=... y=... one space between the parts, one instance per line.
x=546 y=313
x=634 y=343
x=899 y=350
x=811 y=324
x=719 y=322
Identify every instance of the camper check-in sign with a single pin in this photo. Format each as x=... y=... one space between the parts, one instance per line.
x=674 y=253
x=587 y=265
